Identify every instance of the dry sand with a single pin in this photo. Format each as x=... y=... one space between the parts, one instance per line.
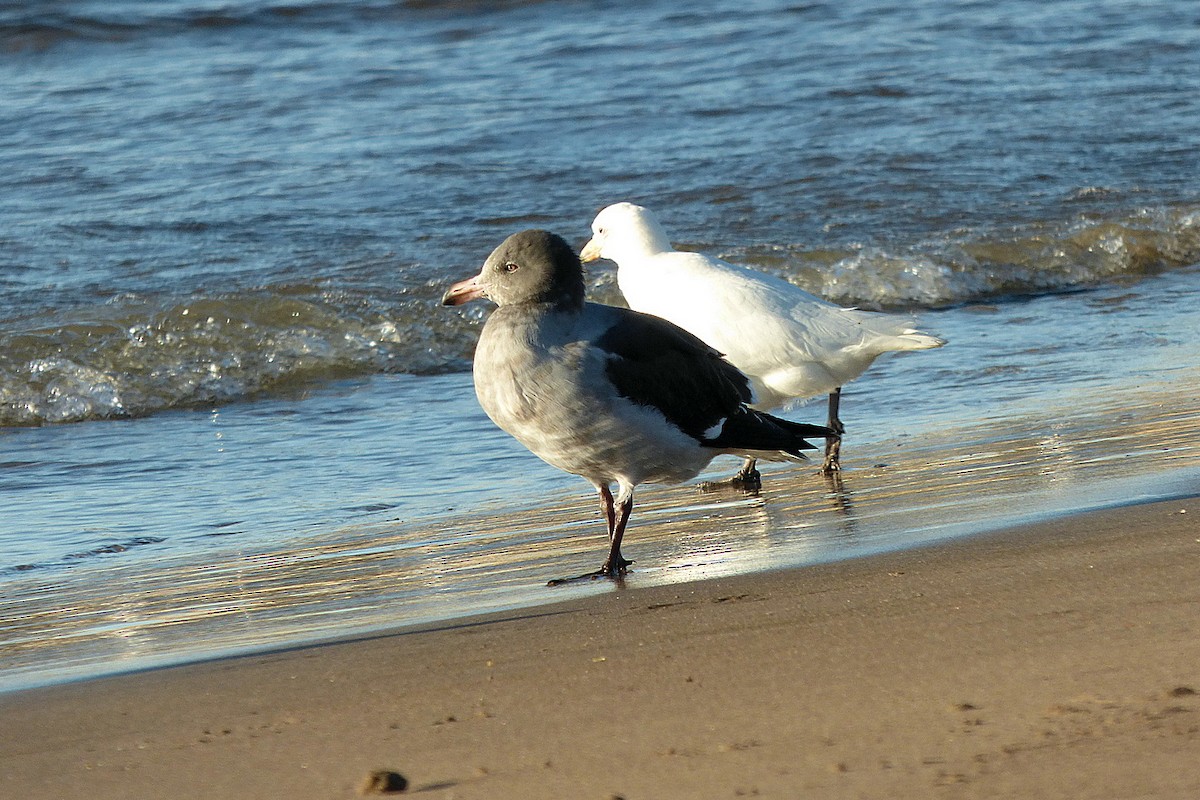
x=1060 y=660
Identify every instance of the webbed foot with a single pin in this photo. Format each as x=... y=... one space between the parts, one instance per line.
x=613 y=571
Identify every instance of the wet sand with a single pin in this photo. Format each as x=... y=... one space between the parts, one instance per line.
x=1059 y=659
x=957 y=478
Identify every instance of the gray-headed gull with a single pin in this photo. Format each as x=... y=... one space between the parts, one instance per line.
x=606 y=393
x=790 y=343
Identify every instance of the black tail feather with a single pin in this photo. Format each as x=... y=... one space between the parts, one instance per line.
x=747 y=429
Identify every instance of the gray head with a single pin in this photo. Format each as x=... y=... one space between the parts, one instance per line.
x=532 y=266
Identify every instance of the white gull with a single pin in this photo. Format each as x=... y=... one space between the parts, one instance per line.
x=790 y=343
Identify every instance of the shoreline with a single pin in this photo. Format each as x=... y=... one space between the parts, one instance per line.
x=1056 y=659
x=1051 y=447
x=527 y=594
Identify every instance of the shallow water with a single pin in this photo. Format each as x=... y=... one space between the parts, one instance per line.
x=1005 y=434
x=226 y=385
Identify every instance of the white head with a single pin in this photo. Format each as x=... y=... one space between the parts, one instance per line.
x=624 y=231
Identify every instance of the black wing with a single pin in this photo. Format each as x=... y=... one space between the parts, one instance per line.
x=655 y=363
x=658 y=364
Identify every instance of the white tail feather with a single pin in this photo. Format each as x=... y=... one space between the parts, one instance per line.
x=914 y=340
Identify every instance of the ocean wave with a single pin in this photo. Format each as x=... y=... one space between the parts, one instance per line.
x=33 y=27
x=971 y=266
x=133 y=357
x=38 y=28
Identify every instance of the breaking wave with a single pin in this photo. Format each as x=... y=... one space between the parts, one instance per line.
x=132 y=355
x=967 y=266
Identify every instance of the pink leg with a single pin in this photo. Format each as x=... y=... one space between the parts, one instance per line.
x=616 y=516
x=615 y=564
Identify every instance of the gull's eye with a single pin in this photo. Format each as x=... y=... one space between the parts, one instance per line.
x=511 y=266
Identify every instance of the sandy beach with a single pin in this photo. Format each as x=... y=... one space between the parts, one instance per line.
x=259 y=538
x=1060 y=659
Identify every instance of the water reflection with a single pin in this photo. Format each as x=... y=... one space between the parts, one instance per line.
x=367 y=576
